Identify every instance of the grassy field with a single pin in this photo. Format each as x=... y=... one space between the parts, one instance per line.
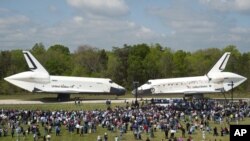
x=52 y=97
x=69 y=107
x=66 y=136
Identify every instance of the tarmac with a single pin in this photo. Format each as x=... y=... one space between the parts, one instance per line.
x=19 y=101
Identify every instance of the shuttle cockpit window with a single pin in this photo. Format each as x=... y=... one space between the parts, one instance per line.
x=110 y=81
x=148 y=82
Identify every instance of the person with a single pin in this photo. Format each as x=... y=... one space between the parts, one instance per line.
x=5 y=132
x=180 y=139
x=151 y=132
x=12 y=131
x=58 y=130
x=147 y=139
x=215 y=131
x=77 y=128
x=222 y=131
x=105 y=137
x=187 y=126
x=172 y=131
x=1 y=132
x=81 y=132
x=79 y=101
x=35 y=137
x=166 y=132
x=203 y=134
x=48 y=137
x=99 y=138
x=116 y=138
x=75 y=100
x=190 y=138
x=183 y=132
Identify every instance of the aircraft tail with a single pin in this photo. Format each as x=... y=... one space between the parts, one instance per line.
x=221 y=64
x=33 y=64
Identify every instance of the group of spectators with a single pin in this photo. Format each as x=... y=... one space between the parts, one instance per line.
x=184 y=116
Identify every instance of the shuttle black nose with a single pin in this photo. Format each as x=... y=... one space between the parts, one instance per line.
x=117 y=91
x=143 y=92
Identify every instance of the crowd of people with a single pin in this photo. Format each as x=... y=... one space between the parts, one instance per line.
x=184 y=116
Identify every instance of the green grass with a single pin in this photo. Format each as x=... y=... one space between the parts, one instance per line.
x=82 y=106
x=52 y=97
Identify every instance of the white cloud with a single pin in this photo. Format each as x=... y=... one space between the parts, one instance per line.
x=194 y=28
x=78 y=19
x=228 y=5
x=9 y=21
x=185 y=20
x=107 y=23
x=240 y=30
x=103 y=30
x=101 y=7
x=103 y=33
x=52 y=8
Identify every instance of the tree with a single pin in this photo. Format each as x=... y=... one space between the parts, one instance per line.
x=59 y=48
x=103 y=59
x=125 y=64
x=244 y=63
x=58 y=60
x=38 y=48
x=234 y=58
x=119 y=71
x=136 y=71
x=201 y=61
x=152 y=63
x=5 y=65
x=180 y=64
x=167 y=63
x=92 y=61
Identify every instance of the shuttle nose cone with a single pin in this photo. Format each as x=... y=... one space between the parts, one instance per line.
x=118 y=91
x=10 y=78
x=19 y=76
x=143 y=91
x=242 y=79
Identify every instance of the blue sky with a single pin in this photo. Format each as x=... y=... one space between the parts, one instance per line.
x=179 y=24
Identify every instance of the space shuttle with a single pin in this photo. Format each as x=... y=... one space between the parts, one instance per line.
x=38 y=80
x=215 y=81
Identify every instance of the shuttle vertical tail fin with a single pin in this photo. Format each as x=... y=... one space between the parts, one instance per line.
x=33 y=64
x=221 y=64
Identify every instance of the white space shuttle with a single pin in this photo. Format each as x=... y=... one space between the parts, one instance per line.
x=39 y=80
x=214 y=81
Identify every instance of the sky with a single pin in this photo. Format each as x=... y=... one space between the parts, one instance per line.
x=187 y=25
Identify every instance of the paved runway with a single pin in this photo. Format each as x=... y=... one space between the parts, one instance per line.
x=19 y=101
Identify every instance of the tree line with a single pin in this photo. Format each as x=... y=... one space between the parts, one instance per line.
x=123 y=65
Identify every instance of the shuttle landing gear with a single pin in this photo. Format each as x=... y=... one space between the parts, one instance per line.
x=193 y=96
x=63 y=97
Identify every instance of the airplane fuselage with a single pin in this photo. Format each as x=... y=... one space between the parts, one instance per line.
x=192 y=85
x=39 y=80
x=214 y=81
x=64 y=84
